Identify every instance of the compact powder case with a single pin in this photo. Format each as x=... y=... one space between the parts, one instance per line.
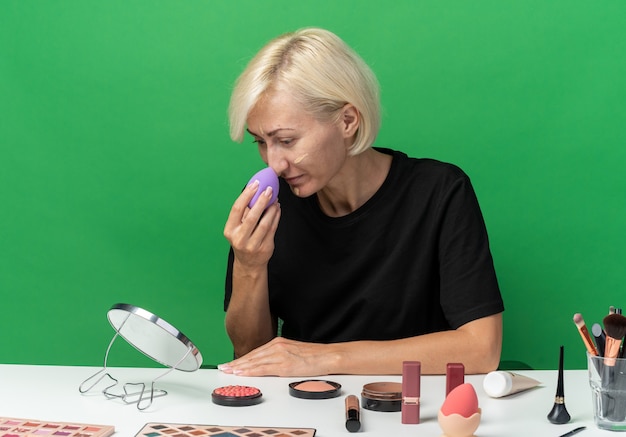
x=382 y=396
x=236 y=396
x=314 y=389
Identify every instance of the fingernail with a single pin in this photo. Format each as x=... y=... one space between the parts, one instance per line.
x=254 y=184
x=268 y=191
x=224 y=367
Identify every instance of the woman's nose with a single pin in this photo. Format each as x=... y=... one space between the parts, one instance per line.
x=277 y=160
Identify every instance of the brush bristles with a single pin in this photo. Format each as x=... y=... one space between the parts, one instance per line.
x=578 y=319
x=615 y=326
x=615 y=329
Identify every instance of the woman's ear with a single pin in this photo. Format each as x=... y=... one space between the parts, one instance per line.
x=350 y=120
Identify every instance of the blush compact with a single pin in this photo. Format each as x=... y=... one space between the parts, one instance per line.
x=314 y=389
x=382 y=396
x=236 y=396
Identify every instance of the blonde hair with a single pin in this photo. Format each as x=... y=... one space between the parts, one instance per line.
x=323 y=74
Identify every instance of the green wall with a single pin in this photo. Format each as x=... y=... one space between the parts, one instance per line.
x=117 y=172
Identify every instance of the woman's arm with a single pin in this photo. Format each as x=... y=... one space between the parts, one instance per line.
x=477 y=345
x=248 y=321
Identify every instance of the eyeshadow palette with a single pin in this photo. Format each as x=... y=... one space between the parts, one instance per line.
x=10 y=427
x=185 y=430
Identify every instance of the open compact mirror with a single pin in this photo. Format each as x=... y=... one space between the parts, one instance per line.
x=155 y=338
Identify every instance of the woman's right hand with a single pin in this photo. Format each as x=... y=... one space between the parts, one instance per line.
x=251 y=231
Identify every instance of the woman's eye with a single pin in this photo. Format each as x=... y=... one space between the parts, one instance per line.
x=285 y=142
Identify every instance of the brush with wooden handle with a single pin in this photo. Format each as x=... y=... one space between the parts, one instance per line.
x=584 y=334
x=615 y=329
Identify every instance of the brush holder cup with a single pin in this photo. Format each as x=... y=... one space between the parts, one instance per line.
x=607 y=378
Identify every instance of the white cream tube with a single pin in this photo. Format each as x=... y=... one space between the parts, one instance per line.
x=501 y=383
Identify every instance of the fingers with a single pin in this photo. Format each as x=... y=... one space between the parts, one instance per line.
x=238 y=210
x=260 y=206
x=271 y=359
x=280 y=357
x=251 y=230
x=242 y=367
x=251 y=368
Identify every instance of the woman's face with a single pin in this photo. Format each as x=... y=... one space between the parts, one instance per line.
x=305 y=152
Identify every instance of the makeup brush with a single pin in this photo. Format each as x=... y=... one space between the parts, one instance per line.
x=600 y=336
x=613 y=375
x=584 y=334
x=615 y=329
x=614 y=310
x=559 y=414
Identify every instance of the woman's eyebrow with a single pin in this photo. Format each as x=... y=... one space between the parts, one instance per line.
x=272 y=133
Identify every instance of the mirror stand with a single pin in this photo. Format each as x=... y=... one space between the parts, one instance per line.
x=156 y=339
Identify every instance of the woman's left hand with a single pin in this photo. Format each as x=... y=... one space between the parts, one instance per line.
x=284 y=357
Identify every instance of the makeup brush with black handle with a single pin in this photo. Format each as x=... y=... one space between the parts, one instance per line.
x=600 y=336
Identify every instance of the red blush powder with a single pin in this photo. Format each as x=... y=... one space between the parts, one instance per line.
x=236 y=391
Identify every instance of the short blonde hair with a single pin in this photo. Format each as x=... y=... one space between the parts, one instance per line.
x=323 y=74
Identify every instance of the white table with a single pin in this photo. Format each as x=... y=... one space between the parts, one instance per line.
x=51 y=393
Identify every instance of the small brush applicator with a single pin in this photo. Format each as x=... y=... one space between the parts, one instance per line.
x=559 y=414
x=584 y=334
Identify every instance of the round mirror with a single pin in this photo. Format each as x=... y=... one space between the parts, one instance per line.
x=154 y=337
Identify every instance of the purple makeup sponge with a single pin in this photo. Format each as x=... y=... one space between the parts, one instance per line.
x=266 y=178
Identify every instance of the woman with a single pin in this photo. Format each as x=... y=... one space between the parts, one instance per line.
x=369 y=258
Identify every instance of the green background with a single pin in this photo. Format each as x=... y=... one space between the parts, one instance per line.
x=117 y=172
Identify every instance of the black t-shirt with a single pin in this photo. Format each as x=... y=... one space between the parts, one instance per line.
x=413 y=259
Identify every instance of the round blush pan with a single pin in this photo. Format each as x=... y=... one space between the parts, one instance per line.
x=236 y=396
x=314 y=389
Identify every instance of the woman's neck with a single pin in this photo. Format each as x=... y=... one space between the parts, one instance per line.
x=355 y=184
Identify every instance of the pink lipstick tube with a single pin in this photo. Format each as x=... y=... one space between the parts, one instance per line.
x=411 y=374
